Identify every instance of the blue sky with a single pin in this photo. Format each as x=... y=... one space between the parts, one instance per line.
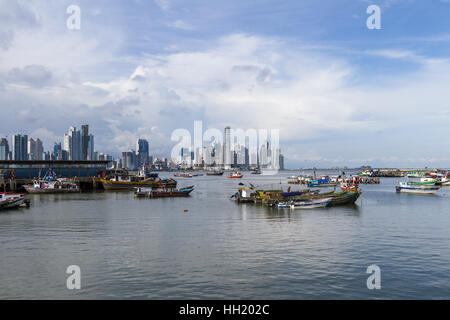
x=340 y=94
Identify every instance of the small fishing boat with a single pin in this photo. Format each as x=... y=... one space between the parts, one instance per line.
x=424 y=182
x=415 y=174
x=214 y=173
x=349 y=187
x=307 y=204
x=183 y=175
x=235 y=175
x=122 y=180
x=244 y=195
x=323 y=181
x=407 y=187
x=163 y=193
x=9 y=200
x=50 y=183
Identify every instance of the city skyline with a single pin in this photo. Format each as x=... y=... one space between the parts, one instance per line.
x=340 y=93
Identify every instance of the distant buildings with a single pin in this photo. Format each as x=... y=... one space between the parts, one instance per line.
x=238 y=149
x=4 y=149
x=19 y=145
x=76 y=145
x=79 y=144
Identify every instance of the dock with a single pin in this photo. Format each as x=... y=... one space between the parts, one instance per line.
x=15 y=174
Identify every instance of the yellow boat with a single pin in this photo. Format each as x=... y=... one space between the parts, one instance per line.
x=124 y=181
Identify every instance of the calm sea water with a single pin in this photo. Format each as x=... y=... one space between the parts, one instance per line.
x=152 y=249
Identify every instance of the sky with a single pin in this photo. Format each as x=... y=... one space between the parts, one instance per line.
x=341 y=94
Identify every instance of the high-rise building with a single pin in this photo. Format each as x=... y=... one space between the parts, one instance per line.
x=84 y=142
x=72 y=144
x=281 y=162
x=4 y=149
x=39 y=152
x=227 y=161
x=19 y=147
x=142 y=152
x=90 y=148
x=57 y=148
x=31 y=149
x=129 y=160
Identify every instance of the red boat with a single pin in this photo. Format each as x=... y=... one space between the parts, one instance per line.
x=235 y=175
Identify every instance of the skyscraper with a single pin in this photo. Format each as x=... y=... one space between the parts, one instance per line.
x=39 y=151
x=19 y=147
x=142 y=152
x=84 y=142
x=227 y=149
x=4 y=149
x=31 y=149
x=90 y=148
x=72 y=144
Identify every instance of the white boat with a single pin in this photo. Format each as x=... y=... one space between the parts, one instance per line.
x=11 y=200
x=406 y=187
x=309 y=204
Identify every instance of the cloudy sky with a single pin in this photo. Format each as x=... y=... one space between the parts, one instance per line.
x=340 y=94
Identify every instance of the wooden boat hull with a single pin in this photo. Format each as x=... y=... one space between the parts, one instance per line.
x=11 y=203
x=235 y=177
x=32 y=190
x=321 y=185
x=309 y=204
x=417 y=190
x=214 y=173
x=185 y=192
x=125 y=185
x=345 y=198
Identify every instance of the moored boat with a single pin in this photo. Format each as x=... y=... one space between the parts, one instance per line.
x=407 y=187
x=50 y=183
x=122 y=180
x=9 y=200
x=321 y=183
x=307 y=204
x=183 y=175
x=163 y=193
x=214 y=173
x=235 y=175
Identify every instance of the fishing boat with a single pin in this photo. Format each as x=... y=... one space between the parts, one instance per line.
x=9 y=200
x=323 y=181
x=424 y=182
x=349 y=187
x=307 y=204
x=407 y=187
x=50 y=183
x=244 y=195
x=344 y=198
x=337 y=198
x=163 y=193
x=183 y=175
x=415 y=174
x=214 y=173
x=235 y=175
x=122 y=180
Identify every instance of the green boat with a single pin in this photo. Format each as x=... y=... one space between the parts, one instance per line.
x=338 y=199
